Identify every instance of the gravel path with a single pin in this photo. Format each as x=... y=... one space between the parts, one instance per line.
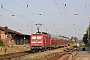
x=83 y=55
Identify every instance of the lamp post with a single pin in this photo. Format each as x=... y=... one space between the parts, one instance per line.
x=79 y=36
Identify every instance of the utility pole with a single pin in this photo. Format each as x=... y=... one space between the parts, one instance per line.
x=89 y=35
x=31 y=27
x=46 y=30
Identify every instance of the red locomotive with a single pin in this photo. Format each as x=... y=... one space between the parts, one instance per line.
x=43 y=40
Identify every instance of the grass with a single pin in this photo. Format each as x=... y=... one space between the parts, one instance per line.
x=36 y=56
x=17 y=48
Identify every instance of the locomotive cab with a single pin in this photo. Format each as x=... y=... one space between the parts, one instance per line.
x=36 y=41
x=40 y=40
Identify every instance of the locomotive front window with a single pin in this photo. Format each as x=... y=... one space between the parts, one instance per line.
x=33 y=37
x=36 y=37
x=39 y=37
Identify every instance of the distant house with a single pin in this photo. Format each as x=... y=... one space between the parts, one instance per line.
x=11 y=37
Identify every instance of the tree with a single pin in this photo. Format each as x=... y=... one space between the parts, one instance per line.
x=85 y=38
x=74 y=39
x=1 y=42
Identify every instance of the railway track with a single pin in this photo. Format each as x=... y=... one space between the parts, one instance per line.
x=57 y=56
x=13 y=55
x=66 y=55
x=51 y=57
x=17 y=54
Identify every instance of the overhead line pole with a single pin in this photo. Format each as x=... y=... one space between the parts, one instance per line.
x=89 y=35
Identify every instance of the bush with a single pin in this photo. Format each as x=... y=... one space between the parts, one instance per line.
x=1 y=42
x=72 y=42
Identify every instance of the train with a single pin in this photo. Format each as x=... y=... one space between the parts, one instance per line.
x=43 y=40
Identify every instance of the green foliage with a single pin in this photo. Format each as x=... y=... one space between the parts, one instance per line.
x=81 y=41
x=1 y=42
x=63 y=36
x=85 y=38
x=74 y=39
x=72 y=42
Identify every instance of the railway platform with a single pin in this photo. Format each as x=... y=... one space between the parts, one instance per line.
x=83 y=54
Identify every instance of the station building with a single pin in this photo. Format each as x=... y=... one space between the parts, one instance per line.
x=11 y=37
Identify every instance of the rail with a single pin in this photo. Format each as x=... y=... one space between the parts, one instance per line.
x=68 y=54
x=13 y=55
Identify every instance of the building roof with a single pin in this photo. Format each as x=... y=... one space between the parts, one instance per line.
x=10 y=30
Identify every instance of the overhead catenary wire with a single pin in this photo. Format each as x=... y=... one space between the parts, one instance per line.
x=24 y=4
x=12 y=22
x=69 y=17
x=15 y=14
x=86 y=9
x=27 y=8
x=62 y=14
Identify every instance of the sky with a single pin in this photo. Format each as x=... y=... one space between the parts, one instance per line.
x=58 y=17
